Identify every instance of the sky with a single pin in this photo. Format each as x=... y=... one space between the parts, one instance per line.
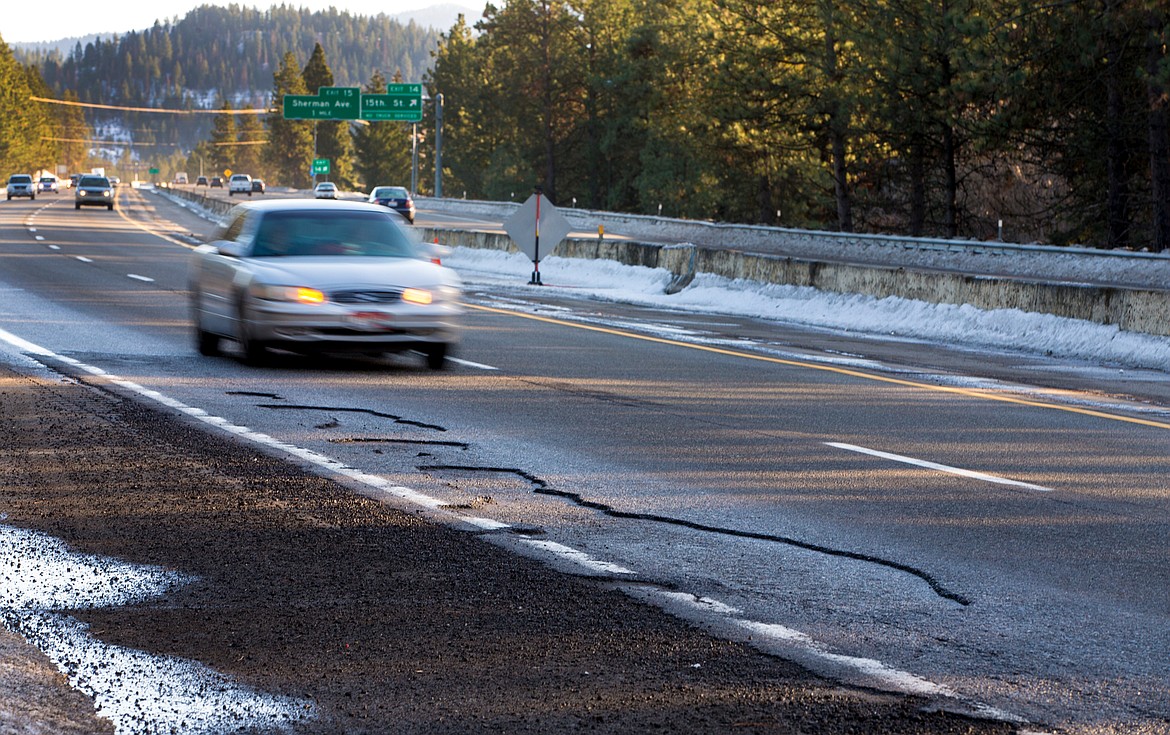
x=27 y=22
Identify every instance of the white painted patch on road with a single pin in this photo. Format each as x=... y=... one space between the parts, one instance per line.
x=138 y=692
x=137 y=277
x=940 y=467
x=83 y=259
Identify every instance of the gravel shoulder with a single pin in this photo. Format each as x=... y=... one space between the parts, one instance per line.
x=384 y=621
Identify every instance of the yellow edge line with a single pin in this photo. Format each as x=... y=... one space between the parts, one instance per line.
x=831 y=369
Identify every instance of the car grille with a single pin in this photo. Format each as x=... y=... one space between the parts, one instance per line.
x=366 y=297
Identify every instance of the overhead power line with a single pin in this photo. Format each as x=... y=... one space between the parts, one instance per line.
x=67 y=103
x=133 y=144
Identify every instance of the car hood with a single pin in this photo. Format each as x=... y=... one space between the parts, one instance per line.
x=326 y=273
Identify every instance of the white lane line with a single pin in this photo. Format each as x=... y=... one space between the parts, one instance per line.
x=940 y=467
x=137 y=277
x=54 y=247
x=578 y=557
x=898 y=680
x=470 y=364
x=83 y=259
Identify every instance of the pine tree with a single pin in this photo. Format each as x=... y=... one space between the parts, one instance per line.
x=223 y=141
x=289 y=151
x=333 y=139
x=250 y=137
x=382 y=148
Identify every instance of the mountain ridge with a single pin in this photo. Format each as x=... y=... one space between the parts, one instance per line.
x=440 y=17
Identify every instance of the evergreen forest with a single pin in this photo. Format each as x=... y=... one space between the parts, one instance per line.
x=1032 y=122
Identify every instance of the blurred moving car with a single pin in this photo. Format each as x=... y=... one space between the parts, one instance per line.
x=114 y=180
x=310 y=276
x=73 y=180
x=21 y=185
x=93 y=191
x=258 y=186
x=325 y=190
x=216 y=182
x=395 y=197
x=50 y=184
x=240 y=184
x=201 y=181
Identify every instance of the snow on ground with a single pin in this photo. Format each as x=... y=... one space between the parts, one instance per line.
x=1006 y=329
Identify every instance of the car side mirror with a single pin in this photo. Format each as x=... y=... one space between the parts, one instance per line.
x=229 y=248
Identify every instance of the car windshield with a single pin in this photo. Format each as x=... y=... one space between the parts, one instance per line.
x=20 y=179
x=94 y=181
x=349 y=233
x=390 y=192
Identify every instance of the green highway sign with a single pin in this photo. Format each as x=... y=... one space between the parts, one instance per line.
x=408 y=90
x=307 y=107
x=402 y=102
x=320 y=166
x=344 y=101
x=153 y=171
x=389 y=107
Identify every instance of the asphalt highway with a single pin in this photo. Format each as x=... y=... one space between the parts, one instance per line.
x=980 y=534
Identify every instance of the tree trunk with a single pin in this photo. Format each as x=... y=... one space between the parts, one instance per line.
x=950 y=154
x=1117 y=197
x=550 y=165
x=917 y=188
x=1158 y=128
x=839 y=121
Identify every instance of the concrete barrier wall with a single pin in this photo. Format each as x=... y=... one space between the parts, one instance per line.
x=1144 y=311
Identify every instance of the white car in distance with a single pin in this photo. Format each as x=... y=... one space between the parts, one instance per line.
x=240 y=184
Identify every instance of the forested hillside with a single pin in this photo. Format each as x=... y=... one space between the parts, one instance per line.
x=233 y=51
x=925 y=117
x=224 y=53
x=1044 y=122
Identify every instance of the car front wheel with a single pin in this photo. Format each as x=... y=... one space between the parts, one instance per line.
x=436 y=355
x=253 y=351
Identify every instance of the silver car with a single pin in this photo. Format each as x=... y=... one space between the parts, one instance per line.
x=21 y=185
x=312 y=276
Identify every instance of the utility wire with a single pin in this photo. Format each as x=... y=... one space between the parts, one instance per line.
x=67 y=103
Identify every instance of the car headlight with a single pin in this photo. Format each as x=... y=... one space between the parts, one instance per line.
x=417 y=296
x=291 y=294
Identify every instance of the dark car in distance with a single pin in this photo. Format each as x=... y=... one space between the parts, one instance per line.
x=258 y=186
x=201 y=181
x=396 y=198
x=216 y=182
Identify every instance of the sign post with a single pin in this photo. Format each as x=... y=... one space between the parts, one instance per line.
x=537 y=215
